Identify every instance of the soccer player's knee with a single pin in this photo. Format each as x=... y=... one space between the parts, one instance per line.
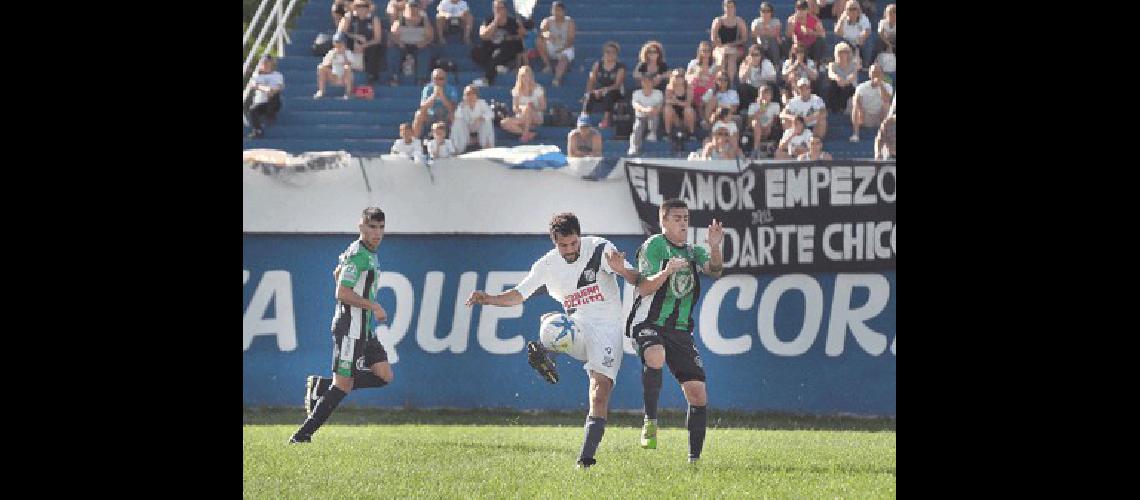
x=343 y=383
x=384 y=372
x=655 y=356
x=695 y=393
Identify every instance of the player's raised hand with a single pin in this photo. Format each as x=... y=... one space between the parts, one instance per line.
x=616 y=259
x=477 y=297
x=716 y=234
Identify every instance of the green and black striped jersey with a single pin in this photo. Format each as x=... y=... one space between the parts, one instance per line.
x=672 y=305
x=358 y=271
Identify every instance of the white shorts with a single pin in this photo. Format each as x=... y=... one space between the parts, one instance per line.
x=553 y=52
x=602 y=346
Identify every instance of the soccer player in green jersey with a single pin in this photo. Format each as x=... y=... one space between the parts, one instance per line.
x=661 y=322
x=357 y=354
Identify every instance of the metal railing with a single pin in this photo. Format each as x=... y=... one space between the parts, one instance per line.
x=275 y=20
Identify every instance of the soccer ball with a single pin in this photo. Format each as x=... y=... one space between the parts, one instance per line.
x=558 y=332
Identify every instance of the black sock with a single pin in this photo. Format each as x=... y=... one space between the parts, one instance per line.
x=651 y=382
x=323 y=384
x=321 y=412
x=364 y=380
x=595 y=428
x=695 y=421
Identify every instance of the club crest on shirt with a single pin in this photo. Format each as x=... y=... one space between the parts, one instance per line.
x=589 y=275
x=682 y=282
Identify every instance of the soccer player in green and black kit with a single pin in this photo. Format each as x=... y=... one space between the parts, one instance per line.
x=661 y=322
x=358 y=357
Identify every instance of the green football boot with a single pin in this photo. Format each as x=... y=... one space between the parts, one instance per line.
x=649 y=435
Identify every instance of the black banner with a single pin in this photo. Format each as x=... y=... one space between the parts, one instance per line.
x=794 y=216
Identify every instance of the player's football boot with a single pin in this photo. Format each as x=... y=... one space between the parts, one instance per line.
x=649 y=435
x=310 y=394
x=585 y=463
x=298 y=439
x=536 y=356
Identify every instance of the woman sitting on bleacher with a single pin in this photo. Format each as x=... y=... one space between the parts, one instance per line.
x=411 y=34
x=700 y=74
x=473 y=116
x=796 y=140
x=679 y=105
x=607 y=82
x=722 y=98
x=729 y=32
x=756 y=71
x=529 y=103
x=651 y=61
x=767 y=33
x=796 y=67
x=843 y=73
x=721 y=147
x=762 y=116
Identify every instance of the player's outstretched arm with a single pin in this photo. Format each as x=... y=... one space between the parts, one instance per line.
x=616 y=260
x=715 y=266
x=506 y=299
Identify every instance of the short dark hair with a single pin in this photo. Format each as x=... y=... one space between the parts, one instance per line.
x=673 y=203
x=373 y=213
x=564 y=224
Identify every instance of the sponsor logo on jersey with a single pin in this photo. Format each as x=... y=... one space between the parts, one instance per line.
x=697 y=360
x=608 y=361
x=360 y=364
x=647 y=332
x=609 y=350
x=583 y=296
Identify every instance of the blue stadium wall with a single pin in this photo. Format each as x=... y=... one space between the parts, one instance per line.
x=819 y=344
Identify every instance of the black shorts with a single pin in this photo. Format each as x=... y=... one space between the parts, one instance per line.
x=680 y=352
x=351 y=356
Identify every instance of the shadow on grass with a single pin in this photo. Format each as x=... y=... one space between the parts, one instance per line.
x=508 y=417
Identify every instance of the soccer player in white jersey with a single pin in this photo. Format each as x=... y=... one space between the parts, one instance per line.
x=576 y=274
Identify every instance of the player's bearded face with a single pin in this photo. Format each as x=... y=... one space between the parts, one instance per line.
x=568 y=246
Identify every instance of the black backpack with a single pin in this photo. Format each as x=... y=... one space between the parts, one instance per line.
x=623 y=119
x=559 y=116
x=322 y=45
x=499 y=109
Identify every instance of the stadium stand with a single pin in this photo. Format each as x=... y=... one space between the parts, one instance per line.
x=369 y=127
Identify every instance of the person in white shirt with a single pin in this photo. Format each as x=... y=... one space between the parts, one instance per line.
x=767 y=33
x=755 y=71
x=721 y=97
x=796 y=68
x=472 y=116
x=528 y=100
x=762 y=115
x=816 y=151
x=796 y=140
x=808 y=106
x=267 y=85
x=556 y=39
x=453 y=16
x=335 y=68
x=647 y=103
x=871 y=101
x=854 y=27
x=407 y=146
x=439 y=146
x=885 y=42
x=576 y=274
x=726 y=120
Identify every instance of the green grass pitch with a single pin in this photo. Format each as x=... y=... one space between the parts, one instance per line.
x=366 y=453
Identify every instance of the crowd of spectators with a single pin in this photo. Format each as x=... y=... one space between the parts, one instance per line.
x=768 y=82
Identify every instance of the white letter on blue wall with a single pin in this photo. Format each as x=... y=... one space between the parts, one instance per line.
x=278 y=287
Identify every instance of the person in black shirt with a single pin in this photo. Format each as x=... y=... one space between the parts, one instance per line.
x=607 y=82
x=502 y=35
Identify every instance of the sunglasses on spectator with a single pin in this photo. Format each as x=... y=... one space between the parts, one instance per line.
x=852 y=9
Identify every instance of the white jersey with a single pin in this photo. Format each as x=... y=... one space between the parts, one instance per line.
x=587 y=287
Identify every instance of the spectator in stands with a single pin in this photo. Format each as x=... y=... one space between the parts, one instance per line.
x=395 y=8
x=796 y=140
x=806 y=30
x=647 y=104
x=556 y=39
x=365 y=38
x=439 y=146
x=722 y=97
x=437 y=102
x=723 y=119
x=843 y=73
x=700 y=74
x=412 y=33
x=407 y=146
x=767 y=33
x=808 y=106
x=584 y=141
x=473 y=117
x=854 y=27
x=502 y=41
x=267 y=85
x=762 y=116
x=872 y=98
x=797 y=67
x=756 y=71
x=453 y=16
x=679 y=100
x=607 y=82
x=528 y=102
x=339 y=9
x=886 y=40
x=728 y=32
x=815 y=151
x=885 y=140
x=335 y=68
x=651 y=62
x=722 y=147
x=827 y=9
